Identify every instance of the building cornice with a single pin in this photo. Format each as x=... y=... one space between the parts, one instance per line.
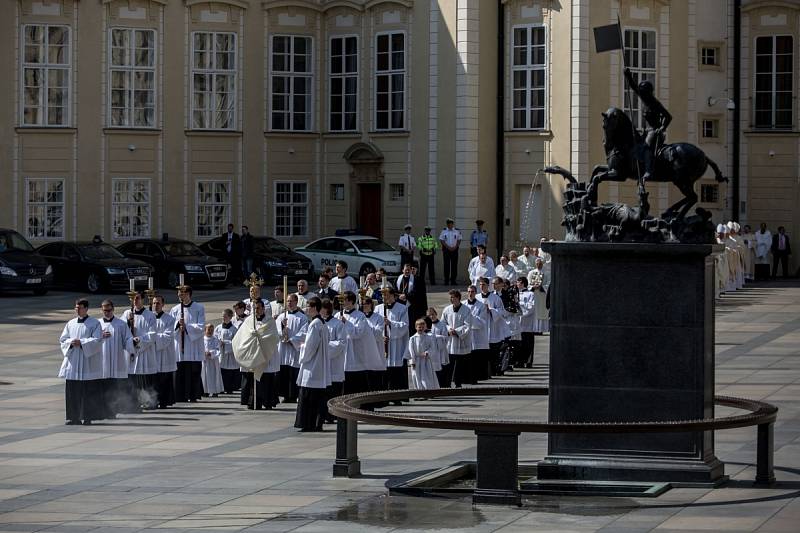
x=325 y=6
x=758 y=4
x=243 y=4
x=162 y=2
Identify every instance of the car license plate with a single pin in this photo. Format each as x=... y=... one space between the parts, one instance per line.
x=217 y=274
x=140 y=278
x=32 y=281
x=300 y=272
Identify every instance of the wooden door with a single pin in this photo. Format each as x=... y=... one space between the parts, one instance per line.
x=369 y=216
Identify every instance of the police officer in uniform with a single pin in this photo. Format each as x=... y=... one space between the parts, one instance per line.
x=407 y=245
x=427 y=245
x=450 y=238
x=479 y=237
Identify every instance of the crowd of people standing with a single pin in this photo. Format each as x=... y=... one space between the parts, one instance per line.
x=746 y=256
x=378 y=334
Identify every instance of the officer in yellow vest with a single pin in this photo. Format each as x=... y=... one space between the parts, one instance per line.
x=427 y=246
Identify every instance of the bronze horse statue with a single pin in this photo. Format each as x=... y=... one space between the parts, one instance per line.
x=679 y=163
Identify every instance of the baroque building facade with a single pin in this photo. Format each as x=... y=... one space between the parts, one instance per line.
x=135 y=118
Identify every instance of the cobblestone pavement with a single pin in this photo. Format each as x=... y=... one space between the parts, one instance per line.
x=214 y=466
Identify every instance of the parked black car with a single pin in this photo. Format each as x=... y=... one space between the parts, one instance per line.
x=21 y=268
x=172 y=257
x=271 y=259
x=93 y=266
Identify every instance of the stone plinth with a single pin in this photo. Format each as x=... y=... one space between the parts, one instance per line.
x=632 y=339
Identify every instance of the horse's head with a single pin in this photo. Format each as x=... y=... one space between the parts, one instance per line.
x=617 y=129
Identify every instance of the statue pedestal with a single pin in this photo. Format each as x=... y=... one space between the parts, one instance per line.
x=632 y=339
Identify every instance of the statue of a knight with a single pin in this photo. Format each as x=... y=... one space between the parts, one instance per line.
x=657 y=118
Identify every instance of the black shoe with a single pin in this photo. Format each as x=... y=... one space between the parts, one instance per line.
x=87 y=422
x=72 y=423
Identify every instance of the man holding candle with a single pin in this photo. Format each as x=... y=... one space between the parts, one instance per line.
x=142 y=360
x=291 y=326
x=190 y=320
x=165 y=354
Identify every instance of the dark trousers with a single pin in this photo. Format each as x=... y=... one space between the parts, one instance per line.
x=496 y=357
x=266 y=390
x=397 y=377
x=231 y=379
x=165 y=389
x=311 y=409
x=188 y=381
x=83 y=400
x=426 y=262
x=527 y=349
x=479 y=361
x=334 y=389
x=450 y=262
x=461 y=369
x=783 y=259
x=445 y=376
x=406 y=258
x=356 y=381
x=288 y=383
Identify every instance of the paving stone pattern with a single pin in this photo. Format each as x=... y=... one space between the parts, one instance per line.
x=215 y=466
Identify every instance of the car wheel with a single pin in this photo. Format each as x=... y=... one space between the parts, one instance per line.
x=39 y=292
x=173 y=279
x=93 y=283
x=366 y=268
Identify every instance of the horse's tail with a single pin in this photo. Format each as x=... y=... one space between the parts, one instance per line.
x=717 y=172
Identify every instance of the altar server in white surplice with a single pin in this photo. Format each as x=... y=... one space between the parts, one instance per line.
x=291 y=324
x=231 y=377
x=422 y=350
x=165 y=354
x=142 y=367
x=527 y=317
x=315 y=371
x=82 y=368
x=337 y=345
x=396 y=318
x=539 y=283
x=480 y=266
x=459 y=328
x=211 y=375
x=117 y=344
x=376 y=367
x=480 y=358
x=189 y=347
x=361 y=347
x=441 y=360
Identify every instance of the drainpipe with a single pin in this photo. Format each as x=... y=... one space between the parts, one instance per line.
x=737 y=112
x=500 y=129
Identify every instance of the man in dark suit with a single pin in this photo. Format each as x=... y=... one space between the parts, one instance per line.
x=233 y=248
x=246 y=251
x=781 y=250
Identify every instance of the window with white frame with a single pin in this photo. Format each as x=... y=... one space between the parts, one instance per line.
x=343 y=66
x=46 y=73
x=709 y=56
x=390 y=81
x=213 y=207
x=709 y=193
x=130 y=208
x=44 y=208
x=773 y=84
x=213 y=80
x=132 y=73
x=640 y=56
x=397 y=192
x=291 y=80
x=529 y=77
x=291 y=208
x=710 y=128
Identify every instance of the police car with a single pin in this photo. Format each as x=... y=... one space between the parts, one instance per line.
x=362 y=253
